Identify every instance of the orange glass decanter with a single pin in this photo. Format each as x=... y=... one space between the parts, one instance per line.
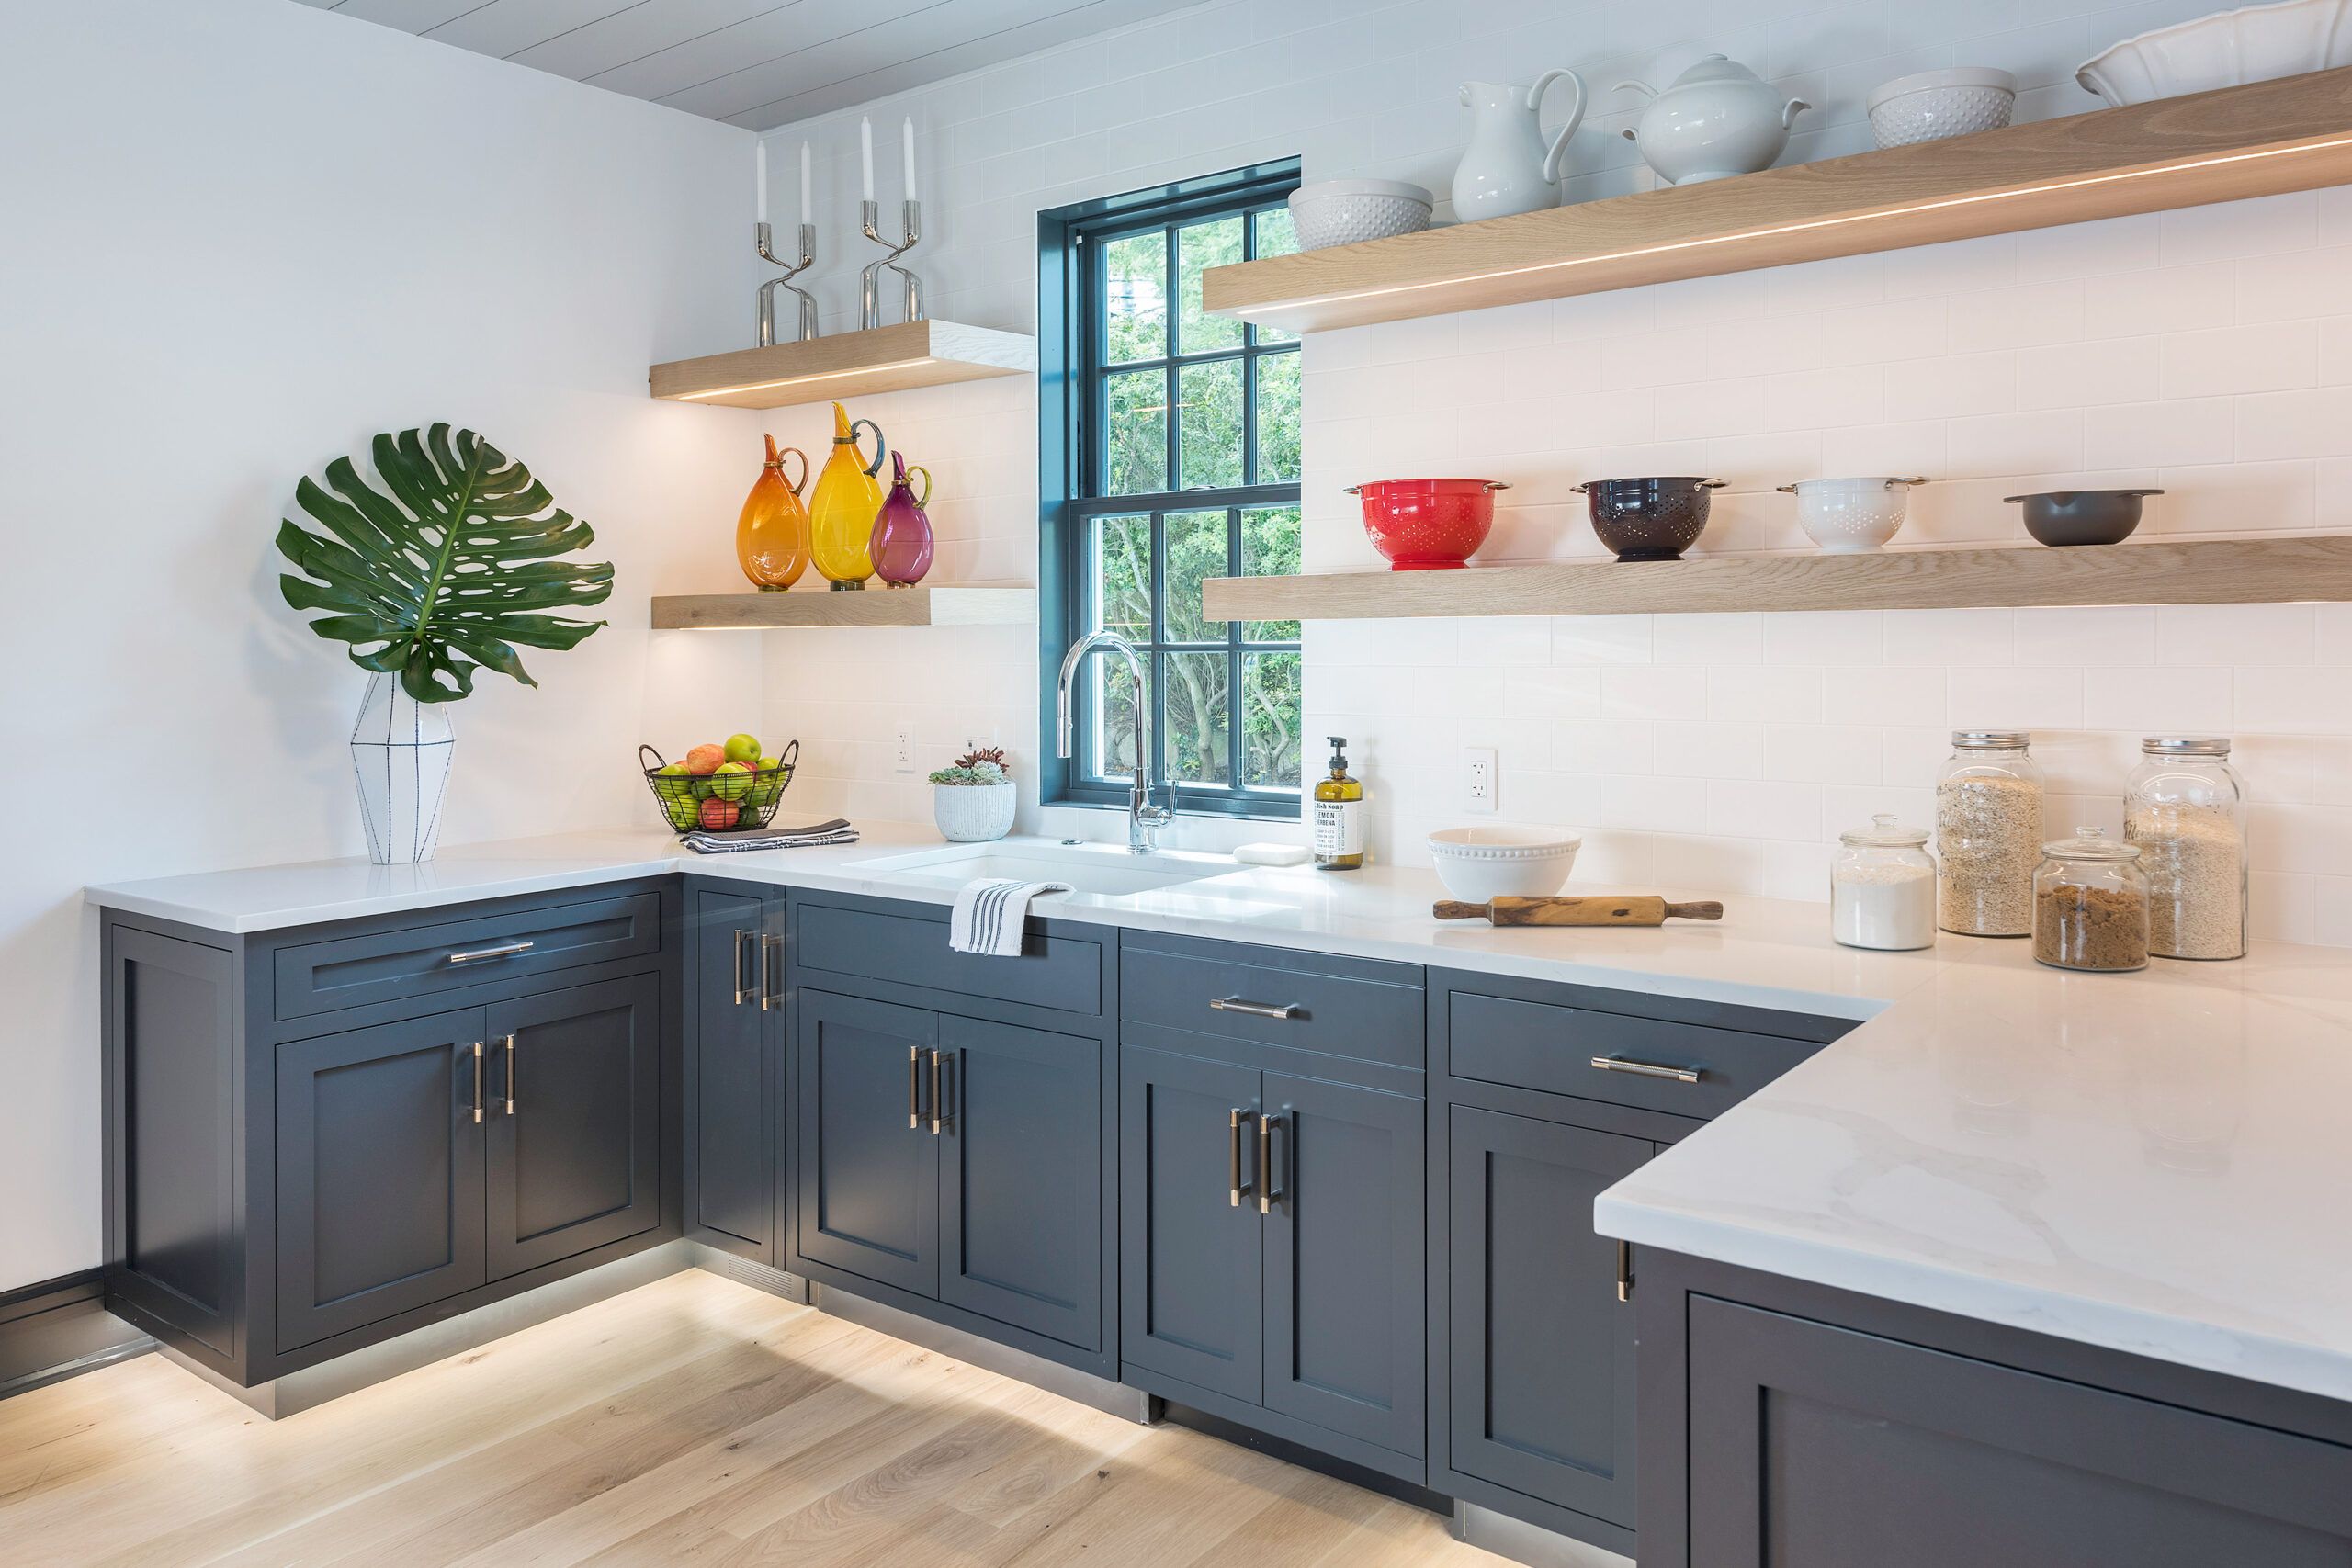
x=772 y=535
x=846 y=501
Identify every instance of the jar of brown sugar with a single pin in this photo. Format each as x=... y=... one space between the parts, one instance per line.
x=2090 y=904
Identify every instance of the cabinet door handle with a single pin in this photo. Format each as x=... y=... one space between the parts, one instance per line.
x=914 y=1088
x=1624 y=1270
x=1267 y=1196
x=1235 y=1186
x=1645 y=1069
x=739 y=968
x=770 y=994
x=1255 y=1009
x=477 y=1083
x=943 y=1083
x=510 y=1075
x=504 y=950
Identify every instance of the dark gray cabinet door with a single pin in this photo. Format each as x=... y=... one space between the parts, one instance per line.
x=1345 y=1260
x=733 y=1186
x=1542 y=1368
x=1821 y=1446
x=575 y=1121
x=869 y=1181
x=379 y=1172
x=1191 y=1262
x=1021 y=1191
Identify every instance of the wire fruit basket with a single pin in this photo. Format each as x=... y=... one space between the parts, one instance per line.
x=731 y=798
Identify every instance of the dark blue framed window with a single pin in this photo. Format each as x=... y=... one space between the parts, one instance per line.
x=1171 y=456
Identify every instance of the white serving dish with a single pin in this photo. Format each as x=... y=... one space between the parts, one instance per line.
x=2227 y=49
x=1848 y=517
x=1933 y=105
x=1480 y=863
x=1347 y=212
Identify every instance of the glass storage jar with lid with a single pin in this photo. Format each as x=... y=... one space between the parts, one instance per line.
x=2090 y=904
x=1988 y=833
x=1883 y=887
x=2185 y=806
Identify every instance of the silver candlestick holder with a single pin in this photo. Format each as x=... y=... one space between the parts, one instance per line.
x=870 y=281
x=791 y=271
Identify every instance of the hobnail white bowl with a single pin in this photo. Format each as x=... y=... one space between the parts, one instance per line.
x=1480 y=863
x=1347 y=212
x=1848 y=518
x=2227 y=49
x=1933 y=105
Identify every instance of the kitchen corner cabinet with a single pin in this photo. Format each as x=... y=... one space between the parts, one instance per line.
x=735 y=1016
x=319 y=1138
x=951 y=1148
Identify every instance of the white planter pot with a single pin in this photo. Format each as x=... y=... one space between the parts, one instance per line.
x=400 y=757
x=973 y=814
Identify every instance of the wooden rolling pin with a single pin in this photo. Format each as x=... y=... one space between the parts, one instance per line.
x=1642 y=910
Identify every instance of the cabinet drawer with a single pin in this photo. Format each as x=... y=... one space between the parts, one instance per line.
x=1342 y=1007
x=1542 y=1046
x=392 y=965
x=1063 y=972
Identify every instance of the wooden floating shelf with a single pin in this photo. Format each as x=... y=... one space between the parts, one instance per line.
x=848 y=365
x=2216 y=571
x=2290 y=134
x=866 y=607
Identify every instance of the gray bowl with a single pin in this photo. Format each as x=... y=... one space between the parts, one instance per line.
x=2066 y=517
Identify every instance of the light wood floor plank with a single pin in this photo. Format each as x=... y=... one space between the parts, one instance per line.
x=694 y=1423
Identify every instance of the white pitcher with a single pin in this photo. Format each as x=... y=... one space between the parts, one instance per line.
x=1508 y=167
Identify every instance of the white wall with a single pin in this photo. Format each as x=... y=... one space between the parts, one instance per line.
x=2204 y=351
x=238 y=240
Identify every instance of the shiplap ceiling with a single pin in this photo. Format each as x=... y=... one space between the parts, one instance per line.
x=756 y=63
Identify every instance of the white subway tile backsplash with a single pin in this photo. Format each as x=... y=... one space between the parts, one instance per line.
x=1654 y=691
x=2269 y=356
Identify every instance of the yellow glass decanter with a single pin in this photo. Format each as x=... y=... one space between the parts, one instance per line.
x=847 y=500
x=772 y=535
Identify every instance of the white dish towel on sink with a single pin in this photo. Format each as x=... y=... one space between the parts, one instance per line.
x=989 y=914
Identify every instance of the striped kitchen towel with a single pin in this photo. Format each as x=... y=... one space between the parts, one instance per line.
x=837 y=831
x=989 y=914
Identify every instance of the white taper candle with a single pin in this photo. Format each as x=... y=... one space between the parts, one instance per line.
x=866 y=158
x=760 y=176
x=808 y=210
x=907 y=146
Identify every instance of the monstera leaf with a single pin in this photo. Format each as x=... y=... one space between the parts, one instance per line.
x=448 y=572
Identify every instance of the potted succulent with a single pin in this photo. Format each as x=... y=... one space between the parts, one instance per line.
x=436 y=573
x=973 y=799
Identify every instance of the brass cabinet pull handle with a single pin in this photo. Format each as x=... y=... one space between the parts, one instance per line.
x=739 y=968
x=1266 y=1193
x=477 y=1083
x=1255 y=1009
x=769 y=993
x=914 y=1088
x=510 y=1075
x=1235 y=1186
x=1645 y=1069
x=1624 y=1270
x=504 y=950
x=939 y=1114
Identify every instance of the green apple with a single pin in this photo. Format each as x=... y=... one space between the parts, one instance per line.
x=684 y=813
x=732 y=780
x=743 y=748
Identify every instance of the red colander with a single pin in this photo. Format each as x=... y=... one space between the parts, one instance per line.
x=1427 y=524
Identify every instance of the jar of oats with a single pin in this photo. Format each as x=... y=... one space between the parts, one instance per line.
x=2185 y=807
x=2090 y=904
x=1988 y=833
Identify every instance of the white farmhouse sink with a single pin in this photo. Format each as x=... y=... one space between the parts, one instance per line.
x=1107 y=868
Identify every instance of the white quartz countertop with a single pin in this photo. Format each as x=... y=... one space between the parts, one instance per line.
x=2156 y=1163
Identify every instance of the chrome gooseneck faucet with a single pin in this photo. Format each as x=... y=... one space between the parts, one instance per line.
x=1144 y=820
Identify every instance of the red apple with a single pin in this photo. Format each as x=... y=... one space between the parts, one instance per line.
x=705 y=759
x=720 y=814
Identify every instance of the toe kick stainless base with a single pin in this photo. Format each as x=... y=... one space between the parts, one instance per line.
x=1115 y=1399
x=1523 y=1542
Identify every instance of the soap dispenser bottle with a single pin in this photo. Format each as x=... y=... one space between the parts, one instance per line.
x=1338 y=815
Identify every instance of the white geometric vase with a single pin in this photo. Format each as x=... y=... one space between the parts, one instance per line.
x=399 y=754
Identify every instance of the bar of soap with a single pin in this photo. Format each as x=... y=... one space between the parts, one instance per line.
x=1273 y=855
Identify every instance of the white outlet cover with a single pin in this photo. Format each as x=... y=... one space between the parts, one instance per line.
x=1478 y=779
x=903 y=756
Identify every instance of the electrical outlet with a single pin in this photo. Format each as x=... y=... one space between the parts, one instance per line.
x=902 y=752
x=980 y=739
x=1478 y=778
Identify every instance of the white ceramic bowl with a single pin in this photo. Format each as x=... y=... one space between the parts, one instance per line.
x=1347 y=212
x=2224 y=50
x=1848 y=517
x=1479 y=864
x=1936 y=103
